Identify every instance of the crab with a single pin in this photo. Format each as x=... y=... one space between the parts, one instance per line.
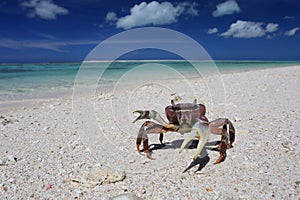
x=188 y=119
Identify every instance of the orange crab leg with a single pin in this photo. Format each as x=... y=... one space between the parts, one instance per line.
x=215 y=128
x=146 y=128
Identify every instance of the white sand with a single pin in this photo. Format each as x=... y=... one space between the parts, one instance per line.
x=41 y=151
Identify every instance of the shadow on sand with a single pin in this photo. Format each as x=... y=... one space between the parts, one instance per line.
x=201 y=162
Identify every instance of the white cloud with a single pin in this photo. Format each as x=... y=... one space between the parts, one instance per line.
x=154 y=13
x=189 y=8
x=271 y=36
x=226 y=8
x=248 y=29
x=212 y=30
x=291 y=32
x=44 y=9
x=111 y=16
x=43 y=44
x=271 y=27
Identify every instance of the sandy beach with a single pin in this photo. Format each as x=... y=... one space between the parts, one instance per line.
x=45 y=154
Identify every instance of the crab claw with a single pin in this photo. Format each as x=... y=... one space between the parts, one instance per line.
x=190 y=136
x=143 y=115
x=150 y=114
x=201 y=131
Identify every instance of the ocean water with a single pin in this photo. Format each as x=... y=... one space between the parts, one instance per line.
x=19 y=81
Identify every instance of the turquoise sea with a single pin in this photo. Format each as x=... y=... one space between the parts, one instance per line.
x=37 y=80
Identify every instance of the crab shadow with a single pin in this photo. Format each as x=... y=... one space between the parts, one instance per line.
x=201 y=161
x=176 y=144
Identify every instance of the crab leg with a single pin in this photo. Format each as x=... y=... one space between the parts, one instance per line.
x=200 y=131
x=215 y=128
x=146 y=128
x=216 y=125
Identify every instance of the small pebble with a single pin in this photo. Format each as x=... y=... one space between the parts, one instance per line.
x=285 y=145
x=48 y=186
x=2 y=162
x=127 y=196
x=4 y=188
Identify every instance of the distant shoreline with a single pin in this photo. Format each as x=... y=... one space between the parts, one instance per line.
x=44 y=81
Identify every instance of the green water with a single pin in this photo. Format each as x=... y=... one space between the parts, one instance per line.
x=21 y=80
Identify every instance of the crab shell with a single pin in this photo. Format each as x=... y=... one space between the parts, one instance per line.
x=185 y=115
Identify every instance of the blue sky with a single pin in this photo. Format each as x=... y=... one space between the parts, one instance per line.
x=64 y=30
